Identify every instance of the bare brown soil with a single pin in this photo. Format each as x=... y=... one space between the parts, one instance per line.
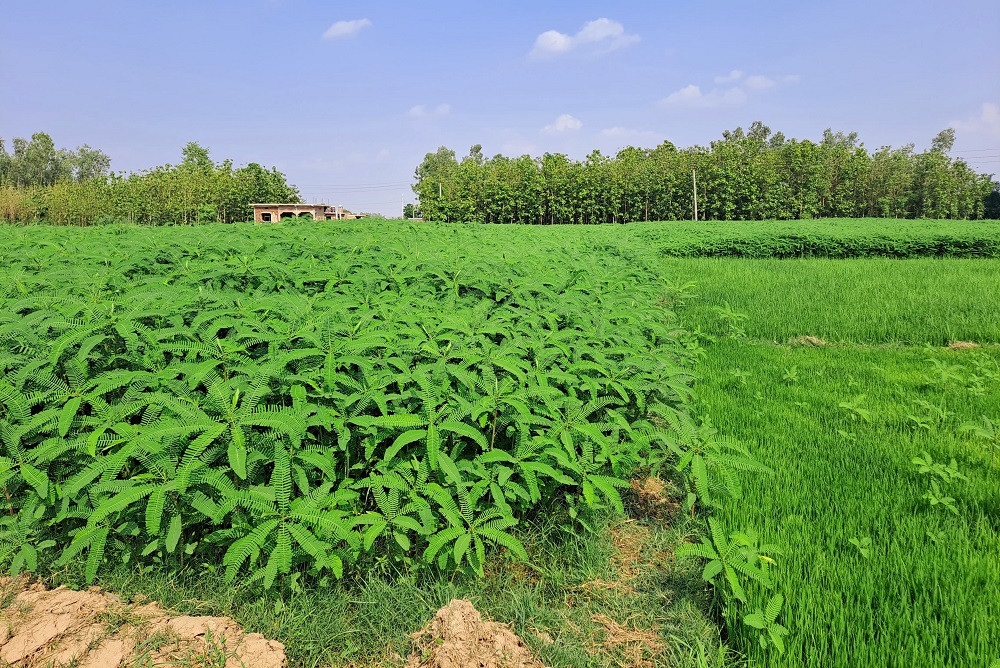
x=93 y=629
x=458 y=637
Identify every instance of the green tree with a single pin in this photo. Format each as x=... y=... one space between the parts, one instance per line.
x=90 y=163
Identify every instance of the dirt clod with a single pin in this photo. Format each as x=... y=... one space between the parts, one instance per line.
x=92 y=629
x=963 y=345
x=458 y=637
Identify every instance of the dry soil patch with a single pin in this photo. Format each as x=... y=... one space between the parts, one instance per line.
x=93 y=629
x=458 y=637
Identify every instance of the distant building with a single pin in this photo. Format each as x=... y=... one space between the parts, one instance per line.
x=269 y=213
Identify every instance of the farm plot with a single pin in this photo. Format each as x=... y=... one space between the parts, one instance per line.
x=277 y=412
x=293 y=405
x=883 y=439
x=330 y=431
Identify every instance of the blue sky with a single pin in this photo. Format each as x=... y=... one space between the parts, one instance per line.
x=347 y=97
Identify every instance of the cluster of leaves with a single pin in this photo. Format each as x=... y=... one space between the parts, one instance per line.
x=948 y=378
x=935 y=472
x=737 y=564
x=745 y=175
x=291 y=402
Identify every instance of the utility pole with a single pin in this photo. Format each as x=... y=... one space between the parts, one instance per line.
x=694 y=190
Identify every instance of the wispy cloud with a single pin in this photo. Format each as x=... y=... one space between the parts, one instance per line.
x=724 y=94
x=563 y=123
x=692 y=96
x=732 y=77
x=616 y=132
x=342 y=29
x=595 y=37
x=424 y=111
x=987 y=123
x=760 y=82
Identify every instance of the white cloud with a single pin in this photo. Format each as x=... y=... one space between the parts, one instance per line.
x=734 y=75
x=552 y=42
x=616 y=132
x=691 y=96
x=987 y=123
x=342 y=29
x=759 y=82
x=564 y=123
x=598 y=36
x=423 y=111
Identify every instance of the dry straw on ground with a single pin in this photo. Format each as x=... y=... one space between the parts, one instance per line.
x=807 y=341
x=639 y=647
x=60 y=627
x=654 y=497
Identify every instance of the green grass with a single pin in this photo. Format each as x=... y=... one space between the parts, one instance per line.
x=551 y=602
x=928 y=593
x=868 y=301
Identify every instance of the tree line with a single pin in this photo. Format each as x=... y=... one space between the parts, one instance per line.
x=746 y=175
x=39 y=182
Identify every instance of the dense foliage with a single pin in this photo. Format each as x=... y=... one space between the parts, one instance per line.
x=304 y=398
x=37 y=162
x=840 y=238
x=41 y=183
x=752 y=175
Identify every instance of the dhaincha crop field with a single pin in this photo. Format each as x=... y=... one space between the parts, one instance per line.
x=661 y=444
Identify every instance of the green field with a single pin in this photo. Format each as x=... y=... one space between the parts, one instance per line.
x=371 y=413
x=840 y=424
x=872 y=301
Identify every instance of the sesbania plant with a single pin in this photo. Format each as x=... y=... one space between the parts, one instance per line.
x=308 y=399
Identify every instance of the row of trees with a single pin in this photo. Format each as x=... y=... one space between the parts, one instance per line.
x=40 y=182
x=752 y=175
x=37 y=162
